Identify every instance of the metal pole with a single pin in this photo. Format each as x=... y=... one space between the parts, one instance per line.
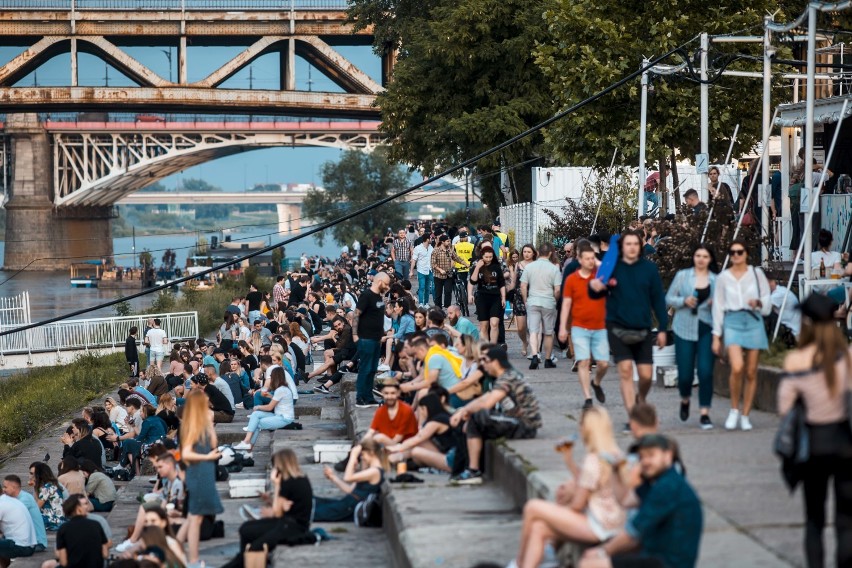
x=767 y=86
x=810 y=93
x=134 y=247
x=705 y=107
x=809 y=220
x=643 y=137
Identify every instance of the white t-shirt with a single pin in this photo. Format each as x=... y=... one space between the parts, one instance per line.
x=285 y=406
x=290 y=382
x=791 y=317
x=15 y=522
x=830 y=258
x=155 y=337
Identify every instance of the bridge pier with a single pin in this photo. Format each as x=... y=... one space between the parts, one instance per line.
x=39 y=236
x=289 y=219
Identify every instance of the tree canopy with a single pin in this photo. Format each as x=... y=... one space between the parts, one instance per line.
x=357 y=179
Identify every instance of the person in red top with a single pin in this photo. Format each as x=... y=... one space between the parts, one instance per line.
x=394 y=421
x=587 y=310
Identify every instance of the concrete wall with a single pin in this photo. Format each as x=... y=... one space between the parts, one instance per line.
x=768 y=379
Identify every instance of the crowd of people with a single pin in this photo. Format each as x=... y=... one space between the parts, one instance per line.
x=440 y=386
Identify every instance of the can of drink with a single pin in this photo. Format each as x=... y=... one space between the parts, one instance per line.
x=401 y=467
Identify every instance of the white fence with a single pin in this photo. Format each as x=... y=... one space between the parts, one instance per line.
x=527 y=220
x=15 y=310
x=95 y=333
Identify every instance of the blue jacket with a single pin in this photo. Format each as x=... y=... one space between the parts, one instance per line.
x=153 y=429
x=685 y=323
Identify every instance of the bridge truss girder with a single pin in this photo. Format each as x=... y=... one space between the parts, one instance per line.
x=97 y=169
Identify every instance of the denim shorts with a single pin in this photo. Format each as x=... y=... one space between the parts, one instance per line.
x=590 y=343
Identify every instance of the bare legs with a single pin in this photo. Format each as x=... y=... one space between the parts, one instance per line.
x=545 y=522
x=521 y=322
x=493 y=329
x=743 y=366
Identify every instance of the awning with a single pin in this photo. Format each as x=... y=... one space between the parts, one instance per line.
x=825 y=111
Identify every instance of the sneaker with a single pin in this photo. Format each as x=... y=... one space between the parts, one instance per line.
x=467 y=477
x=385 y=376
x=242 y=446
x=733 y=418
x=152 y=480
x=125 y=546
x=383 y=368
x=322 y=389
x=745 y=423
x=554 y=359
x=249 y=513
x=366 y=403
x=378 y=394
x=706 y=423
x=245 y=428
x=588 y=404
x=684 y=411
x=599 y=392
x=534 y=361
x=574 y=366
x=239 y=405
x=549 y=364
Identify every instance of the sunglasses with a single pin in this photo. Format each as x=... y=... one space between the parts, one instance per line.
x=737 y=252
x=484 y=359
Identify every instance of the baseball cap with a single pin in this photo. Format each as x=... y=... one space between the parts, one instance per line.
x=654 y=441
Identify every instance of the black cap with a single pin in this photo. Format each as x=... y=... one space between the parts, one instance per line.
x=219 y=351
x=819 y=308
x=200 y=379
x=654 y=441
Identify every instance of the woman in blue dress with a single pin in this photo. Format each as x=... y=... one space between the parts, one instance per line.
x=198 y=451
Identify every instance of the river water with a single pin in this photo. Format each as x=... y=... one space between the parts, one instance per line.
x=52 y=295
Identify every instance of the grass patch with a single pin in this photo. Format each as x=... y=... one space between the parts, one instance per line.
x=32 y=400
x=774 y=356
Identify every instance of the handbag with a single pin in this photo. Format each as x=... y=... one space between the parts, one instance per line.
x=255 y=558
x=368 y=513
x=629 y=336
x=792 y=441
x=748 y=219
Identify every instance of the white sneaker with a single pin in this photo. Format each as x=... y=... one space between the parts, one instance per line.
x=733 y=418
x=242 y=446
x=125 y=546
x=245 y=428
x=239 y=405
x=382 y=368
x=745 y=423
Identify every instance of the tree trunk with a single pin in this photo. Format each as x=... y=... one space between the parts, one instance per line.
x=675 y=181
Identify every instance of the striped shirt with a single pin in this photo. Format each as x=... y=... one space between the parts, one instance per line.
x=402 y=250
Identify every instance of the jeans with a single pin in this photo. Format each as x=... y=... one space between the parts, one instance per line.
x=334 y=510
x=444 y=291
x=8 y=548
x=425 y=283
x=260 y=399
x=653 y=198
x=692 y=355
x=369 y=351
x=101 y=507
x=262 y=420
x=402 y=267
x=254 y=315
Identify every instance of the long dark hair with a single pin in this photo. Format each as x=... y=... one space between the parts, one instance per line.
x=42 y=474
x=713 y=266
x=433 y=406
x=830 y=344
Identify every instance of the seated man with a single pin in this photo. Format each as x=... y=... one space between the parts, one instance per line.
x=456 y=325
x=394 y=421
x=80 y=541
x=666 y=529
x=19 y=536
x=520 y=416
x=12 y=488
x=439 y=366
x=343 y=350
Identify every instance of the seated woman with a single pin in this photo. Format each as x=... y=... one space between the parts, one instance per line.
x=102 y=427
x=288 y=517
x=357 y=485
x=273 y=415
x=153 y=430
x=594 y=513
x=117 y=413
x=156 y=519
x=435 y=443
x=167 y=411
x=48 y=495
x=470 y=385
x=99 y=487
x=70 y=477
x=161 y=548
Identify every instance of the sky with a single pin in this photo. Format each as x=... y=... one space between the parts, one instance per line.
x=234 y=173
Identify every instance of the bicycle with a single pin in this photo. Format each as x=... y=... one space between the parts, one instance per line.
x=460 y=290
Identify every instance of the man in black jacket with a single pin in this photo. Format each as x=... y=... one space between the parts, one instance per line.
x=131 y=353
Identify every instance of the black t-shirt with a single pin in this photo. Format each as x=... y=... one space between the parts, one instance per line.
x=490 y=278
x=371 y=323
x=446 y=441
x=297 y=293
x=273 y=326
x=299 y=491
x=83 y=540
x=249 y=363
x=218 y=401
x=254 y=299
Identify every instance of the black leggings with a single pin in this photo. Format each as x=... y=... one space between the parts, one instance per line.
x=818 y=471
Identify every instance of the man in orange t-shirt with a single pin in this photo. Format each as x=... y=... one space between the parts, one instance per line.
x=394 y=421
x=587 y=310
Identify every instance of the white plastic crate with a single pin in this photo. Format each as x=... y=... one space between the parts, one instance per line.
x=241 y=488
x=331 y=452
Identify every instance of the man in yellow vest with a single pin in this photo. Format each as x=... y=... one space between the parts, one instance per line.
x=464 y=248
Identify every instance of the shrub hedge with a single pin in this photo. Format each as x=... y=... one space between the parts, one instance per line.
x=31 y=400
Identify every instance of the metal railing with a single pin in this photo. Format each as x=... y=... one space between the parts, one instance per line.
x=94 y=333
x=174 y=5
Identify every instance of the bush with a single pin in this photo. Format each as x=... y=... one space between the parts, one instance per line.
x=31 y=401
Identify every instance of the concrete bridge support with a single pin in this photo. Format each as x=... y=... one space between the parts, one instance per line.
x=289 y=219
x=38 y=236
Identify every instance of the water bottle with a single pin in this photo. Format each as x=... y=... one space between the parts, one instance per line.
x=695 y=295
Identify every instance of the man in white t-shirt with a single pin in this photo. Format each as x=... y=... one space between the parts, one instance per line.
x=157 y=340
x=792 y=317
x=540 y=286
x=16 y=526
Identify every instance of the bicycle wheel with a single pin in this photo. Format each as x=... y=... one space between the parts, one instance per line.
x=461 y=297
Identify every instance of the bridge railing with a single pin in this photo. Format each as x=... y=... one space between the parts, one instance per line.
x=175 y=5
x=94 y=333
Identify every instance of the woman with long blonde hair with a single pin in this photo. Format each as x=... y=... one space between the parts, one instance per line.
x=198 y=451
x=593 y=514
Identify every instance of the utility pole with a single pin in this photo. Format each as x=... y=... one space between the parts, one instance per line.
x=251 y=78
x=106 y=75
x=467 y=196
x=643 y=138
x=768 y=52
x=705 y=112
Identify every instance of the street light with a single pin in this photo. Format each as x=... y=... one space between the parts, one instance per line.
x=168 y=54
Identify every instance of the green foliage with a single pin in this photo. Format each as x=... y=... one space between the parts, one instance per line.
x=146 y=259
x=123 y=308
x=277 y=257
x=593 y=43
x=465 y=79
x=356 y=180
x=30 y=401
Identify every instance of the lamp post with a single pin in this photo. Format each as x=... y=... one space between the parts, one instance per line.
x=168 y=54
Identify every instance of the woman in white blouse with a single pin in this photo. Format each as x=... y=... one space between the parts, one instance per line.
x=740 y=301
